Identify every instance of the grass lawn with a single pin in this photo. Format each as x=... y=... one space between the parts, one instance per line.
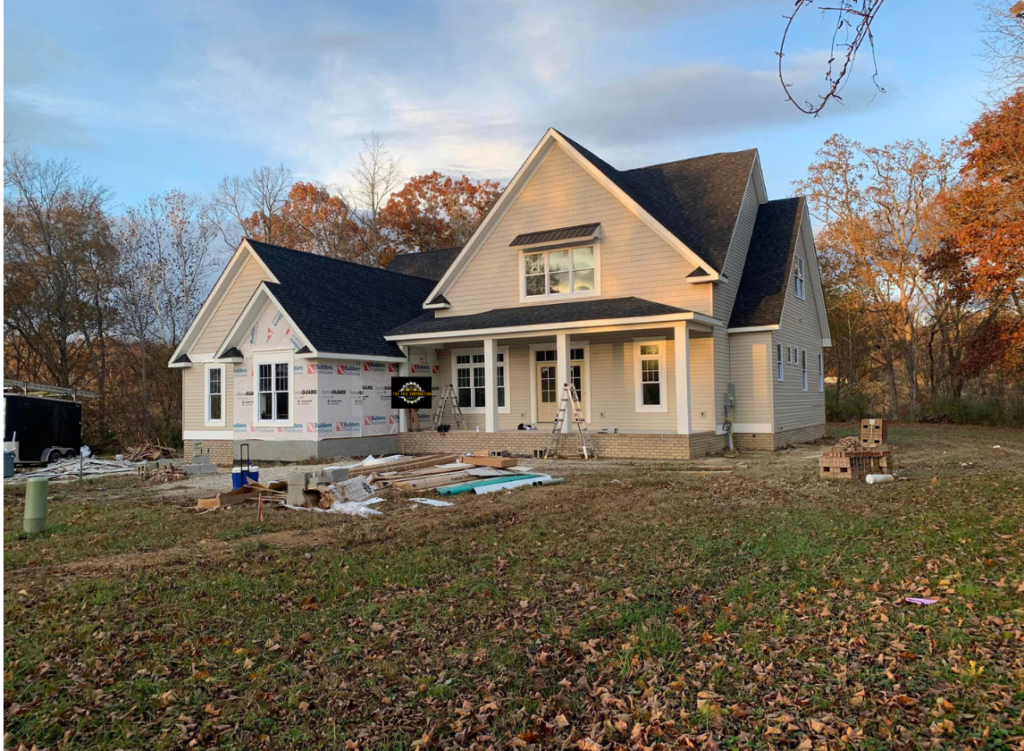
x=757 y=608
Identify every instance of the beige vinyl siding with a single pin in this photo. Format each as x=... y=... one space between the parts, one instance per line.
x=235 y=300
x=634 y=261
x=193 y=398
x=725 y=293
x=611 y=362
x=723 y=370
x=752 y=376
x=800 y=327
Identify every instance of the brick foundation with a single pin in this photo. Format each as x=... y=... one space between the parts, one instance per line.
x=607 y=446
x=799 y=435
x=221 y=452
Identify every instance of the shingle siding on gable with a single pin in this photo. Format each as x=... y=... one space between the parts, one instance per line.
x=794 y=407
x=634 y=260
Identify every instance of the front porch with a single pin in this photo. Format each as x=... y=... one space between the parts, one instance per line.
x=647 y=390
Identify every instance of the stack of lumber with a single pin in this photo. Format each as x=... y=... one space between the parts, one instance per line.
x=246 y=494
x=148 y=452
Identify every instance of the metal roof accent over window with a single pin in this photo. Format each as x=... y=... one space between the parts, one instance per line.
x=555 y=235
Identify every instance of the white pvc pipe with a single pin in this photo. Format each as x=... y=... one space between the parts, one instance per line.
x=484 y=489
x=876 y=479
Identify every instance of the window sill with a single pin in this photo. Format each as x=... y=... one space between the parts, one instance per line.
x=652 y=408
x=569 y=297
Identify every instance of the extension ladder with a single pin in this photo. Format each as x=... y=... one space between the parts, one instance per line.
x=570 y=399
x=448 y=395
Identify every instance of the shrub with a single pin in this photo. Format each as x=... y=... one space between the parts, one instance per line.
x=846 y=405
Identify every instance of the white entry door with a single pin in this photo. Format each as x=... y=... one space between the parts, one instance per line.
x=549 y=389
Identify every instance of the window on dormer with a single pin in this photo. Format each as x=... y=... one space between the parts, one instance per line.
x=560 y=272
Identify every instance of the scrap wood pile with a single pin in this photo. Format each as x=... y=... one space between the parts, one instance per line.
x=854 y=458
x=448 y=474
x=148 y=452
x=253 y=492
x=165 y=474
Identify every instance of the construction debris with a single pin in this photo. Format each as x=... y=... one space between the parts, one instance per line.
x=167 y=473
x=69 y=469
x=874 y=432
x=853 y=464
x=148 y=452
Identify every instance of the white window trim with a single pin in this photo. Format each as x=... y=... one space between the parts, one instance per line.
x=800 y=279
x=223 y=396
x=573 y=344
x=821 y=373
x=662 y=356
x=273 y=357
x=803 y=366
x=780 y=370
x=569 y=296
x=506 y=364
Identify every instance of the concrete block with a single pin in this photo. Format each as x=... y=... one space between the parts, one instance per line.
x=152 y=466
x=333 y=474
x=199 y=469
x=202 y=458
x=297 y=482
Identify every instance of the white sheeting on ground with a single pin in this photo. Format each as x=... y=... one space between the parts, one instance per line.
x=352 y=508
x=68 y=470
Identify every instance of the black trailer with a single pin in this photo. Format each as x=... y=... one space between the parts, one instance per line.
x=40 y=429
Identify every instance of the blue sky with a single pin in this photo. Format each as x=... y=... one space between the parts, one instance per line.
x=148 y=96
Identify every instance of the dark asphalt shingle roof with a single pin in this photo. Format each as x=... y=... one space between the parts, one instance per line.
x=697 y=200
x=341 y=306
x=426 y=264
x=554 y=235
x=769 y=260
x=536 y=315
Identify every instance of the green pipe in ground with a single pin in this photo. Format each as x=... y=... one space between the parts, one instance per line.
x=35 y=504
x=468 y=486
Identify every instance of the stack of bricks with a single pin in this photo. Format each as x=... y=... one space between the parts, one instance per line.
x=842 y=464
x=873 y=432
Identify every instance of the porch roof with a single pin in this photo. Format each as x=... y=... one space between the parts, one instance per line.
x=537 y=315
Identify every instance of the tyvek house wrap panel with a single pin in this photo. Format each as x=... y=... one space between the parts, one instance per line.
x=330 y=399
x=271 y=332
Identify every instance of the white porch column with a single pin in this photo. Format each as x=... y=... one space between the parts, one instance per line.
x=562 y=355
x=403 y=414
x=491 y=385
x=684 y=422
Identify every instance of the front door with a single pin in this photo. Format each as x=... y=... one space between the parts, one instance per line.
x=549 y=390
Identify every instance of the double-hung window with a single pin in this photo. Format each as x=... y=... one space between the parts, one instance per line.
x=650 y=377
x=821 y=372
x=560 y=272
x=470 y=379
x=273 y=401
x=803 y=365
x=779 y=367
x=214 y=394
x=798 y=279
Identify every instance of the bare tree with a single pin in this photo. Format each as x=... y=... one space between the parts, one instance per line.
x=165 y=249
x=253 y=202
x=57 y=257
x=853 y=19
x=376 y=176
x=1004 y=42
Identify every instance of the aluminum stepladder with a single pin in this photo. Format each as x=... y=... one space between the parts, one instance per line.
x=570 y=399
x=448 y=396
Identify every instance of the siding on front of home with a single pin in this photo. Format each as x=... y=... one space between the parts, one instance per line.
x=801 y=329
x=634 y=260
x=611 y=360
x=231 y=306
x=193 y=402
x=193 y=383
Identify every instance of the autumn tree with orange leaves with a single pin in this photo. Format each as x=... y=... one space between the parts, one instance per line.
x=312 y=218
x=435 y=211
x=987 y=231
